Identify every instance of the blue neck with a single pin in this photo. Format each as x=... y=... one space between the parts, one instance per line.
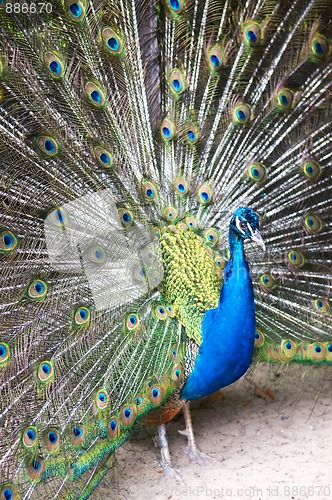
x=237 y=267
x=228 y=332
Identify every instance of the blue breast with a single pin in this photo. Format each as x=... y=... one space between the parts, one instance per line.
x=228 y=333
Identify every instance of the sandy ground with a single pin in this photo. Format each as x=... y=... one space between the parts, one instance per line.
x=261 y=449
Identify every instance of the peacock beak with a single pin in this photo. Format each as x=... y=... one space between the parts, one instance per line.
x=257 y=238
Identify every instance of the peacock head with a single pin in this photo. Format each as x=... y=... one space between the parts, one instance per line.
x=245 y=224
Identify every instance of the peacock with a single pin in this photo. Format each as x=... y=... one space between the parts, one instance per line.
x=165 y=217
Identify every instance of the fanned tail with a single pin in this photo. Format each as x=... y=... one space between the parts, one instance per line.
x=117 y=120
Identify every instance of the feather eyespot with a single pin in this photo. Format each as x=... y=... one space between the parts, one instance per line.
x=177 y=375
x=77 y=434
x=313 y=223
x=156 y=394
x=139 y=401
x=170 y=311
x=166 y=133
x=257 y=172
x=54 y=65
x=126 y=217
x=181 y=186
x=4 y=354
x=161 y=313
x=252 y=34
x=170 y=213
x=174 y=352
x=113 y=42
x=288 y=349
x=191 y=133
x=176 y=6
x=215 y=57
x=274 y=352
x=150 y=191
x=177 y=82
x=103 y=157
x=259 y=338
x=132 y=322
x=58 y=217
x=191 y=136
x=37 y=290
x=167 y=129
x=155 y=233
x=94 y=94
x=149 y=383
x=53 y=436
x=219 y=260
x=8 y=241
x=211 y=237
x=148 y=254
x=328 y=355
x=285 y=99
x=101 y=399
x=241 y=114
x=82 y=316
x=128 y=415
x=296 y=258
x=52 y=440
x=268 y=281
x=322 y=306
x=48 y=145
x=311 y=169
x=317 y=351
x=30 y=438
x=319 y=46
x=97 y=254
x=8 y=491
x=191 y=223
x=113 y=428
x=205 y=194
x=45 y=372
x=76 y=10
x=35 y=467
x=139 y=274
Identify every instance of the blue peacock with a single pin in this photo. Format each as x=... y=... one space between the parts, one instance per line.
x=145 y=147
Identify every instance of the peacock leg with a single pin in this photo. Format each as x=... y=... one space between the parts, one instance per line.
x=191 y=450
x=162 y=443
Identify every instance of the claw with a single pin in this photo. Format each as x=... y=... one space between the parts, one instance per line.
x=172 y=472
x=196 y=456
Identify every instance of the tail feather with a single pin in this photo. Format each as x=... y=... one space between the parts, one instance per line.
x=118 y=119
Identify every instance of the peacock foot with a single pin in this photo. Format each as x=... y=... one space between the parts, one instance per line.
x=172 y=472
x=165 y=462
x=191 y=450
x=193 y=453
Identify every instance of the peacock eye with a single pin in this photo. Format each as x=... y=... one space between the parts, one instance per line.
x=243 y=225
